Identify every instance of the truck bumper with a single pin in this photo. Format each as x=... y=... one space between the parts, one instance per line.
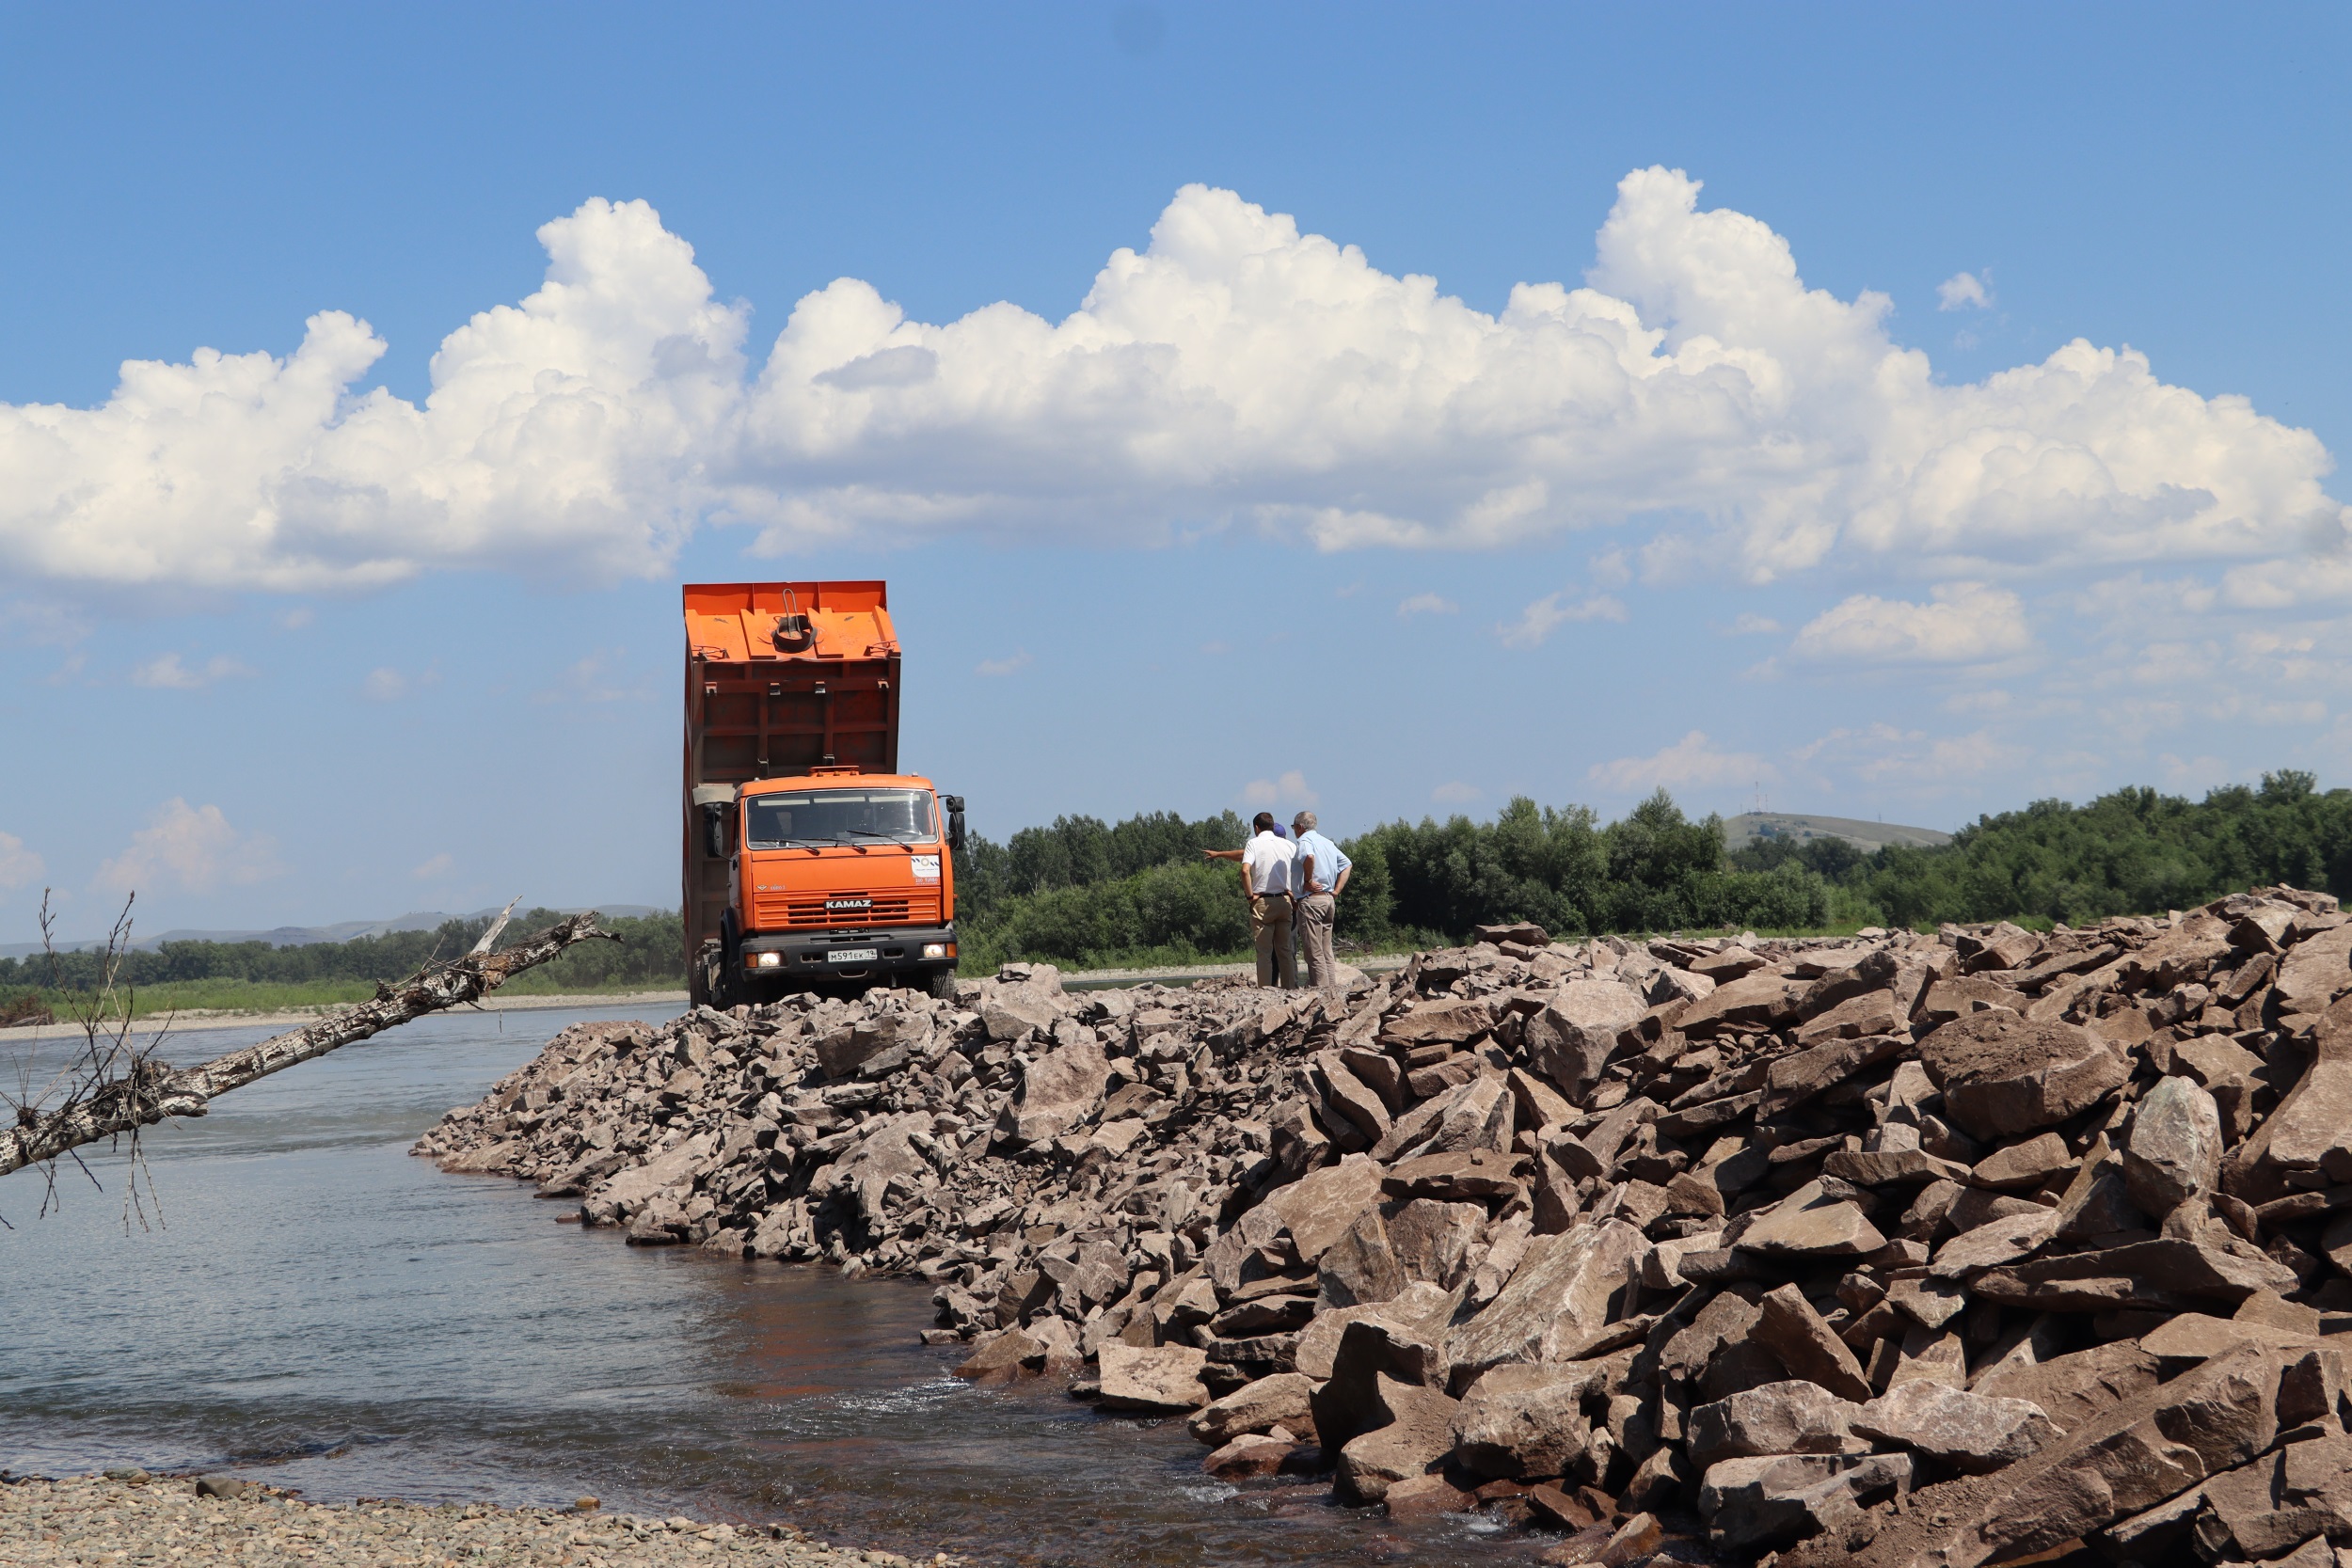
x=811 y=957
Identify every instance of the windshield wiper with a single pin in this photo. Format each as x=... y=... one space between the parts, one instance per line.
x=886 y=838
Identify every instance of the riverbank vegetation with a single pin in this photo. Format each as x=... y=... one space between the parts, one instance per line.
x=254 y=976
x=1050 y=894
x=1137 y=893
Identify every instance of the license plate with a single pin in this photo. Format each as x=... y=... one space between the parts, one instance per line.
x=853 y=955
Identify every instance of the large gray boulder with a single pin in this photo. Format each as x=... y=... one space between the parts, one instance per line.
x=2174 y=1151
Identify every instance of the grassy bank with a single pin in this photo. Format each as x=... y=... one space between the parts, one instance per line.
x=250 y=996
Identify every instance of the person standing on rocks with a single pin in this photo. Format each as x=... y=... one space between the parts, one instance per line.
x=1320 y=870
x=1266 y=865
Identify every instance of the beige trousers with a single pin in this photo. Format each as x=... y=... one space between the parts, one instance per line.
x=1270 y=928
x=1315 y=914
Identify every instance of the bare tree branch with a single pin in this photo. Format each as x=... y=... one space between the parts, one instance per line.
x=134 y=1091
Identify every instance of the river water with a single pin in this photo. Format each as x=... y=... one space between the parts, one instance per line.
x=308 y=1306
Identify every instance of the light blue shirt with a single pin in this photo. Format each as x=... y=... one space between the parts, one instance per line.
x=1329 y=861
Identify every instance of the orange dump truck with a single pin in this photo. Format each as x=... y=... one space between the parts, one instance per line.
x=811 y=863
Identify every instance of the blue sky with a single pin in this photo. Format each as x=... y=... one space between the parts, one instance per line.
x=1905 y=414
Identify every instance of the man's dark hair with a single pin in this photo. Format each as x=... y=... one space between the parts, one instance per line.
x=1262 y=822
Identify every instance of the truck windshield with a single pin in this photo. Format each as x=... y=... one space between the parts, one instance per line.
x=838 y=815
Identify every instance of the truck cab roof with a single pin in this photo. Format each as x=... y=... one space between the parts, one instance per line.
x=834 y=781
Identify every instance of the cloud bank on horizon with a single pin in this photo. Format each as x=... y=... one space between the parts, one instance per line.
x=1236 y=373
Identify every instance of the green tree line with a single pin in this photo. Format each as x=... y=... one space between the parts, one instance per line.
x=647 y=955
x=1084 y=891
x=2135 y=851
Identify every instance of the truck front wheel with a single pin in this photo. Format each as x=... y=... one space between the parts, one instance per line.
x=943 y=986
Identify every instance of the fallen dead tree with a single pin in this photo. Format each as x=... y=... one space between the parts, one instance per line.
x=1952 y=1249
x=117 y=1089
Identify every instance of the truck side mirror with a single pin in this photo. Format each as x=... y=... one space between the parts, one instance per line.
x=954 y=820
x=715 y=832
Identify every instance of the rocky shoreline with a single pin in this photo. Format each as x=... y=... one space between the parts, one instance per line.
x=1947 y=1249
x=126 y=1515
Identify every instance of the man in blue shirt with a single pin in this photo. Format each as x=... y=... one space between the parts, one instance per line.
x=1319 y=870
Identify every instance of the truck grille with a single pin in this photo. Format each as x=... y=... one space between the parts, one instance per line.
x=802 y=911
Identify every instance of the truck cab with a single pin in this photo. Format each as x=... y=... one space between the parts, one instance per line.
x=840 y=879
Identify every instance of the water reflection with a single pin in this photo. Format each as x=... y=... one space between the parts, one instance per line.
x=323 y=1311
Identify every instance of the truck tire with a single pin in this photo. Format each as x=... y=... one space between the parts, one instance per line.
x=943 y=986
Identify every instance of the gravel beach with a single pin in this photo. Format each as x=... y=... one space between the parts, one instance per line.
x=94 y=1519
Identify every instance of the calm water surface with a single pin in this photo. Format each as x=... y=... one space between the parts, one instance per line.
x=312 y=1308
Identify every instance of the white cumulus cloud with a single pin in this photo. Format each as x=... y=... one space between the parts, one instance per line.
x=1547 y=614
x=1289 y=790
x=19 y=867
x=1963 y=290
x=1426 y=604
x=1690 y=763
x=1236 y=372
x=1965 y=622
x=1010 y=664
x=168 y=673
x=191 y=849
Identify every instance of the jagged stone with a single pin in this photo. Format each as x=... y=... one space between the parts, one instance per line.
x=1569 y=1041
x=1260 y=1406
x=1560 y=1293
x=1791 y=1416
x=2174 y=1151
x=1788 y=1327
x=1523 y=1420
x=1324 y=1205
x=1808 y=1223
x=1436 y=1242
x=1415 y=1430
x=1971 y=1433
x=2002 y=1075
x=1160 y=1380
x=1752 y=1504
x=1059 y=1090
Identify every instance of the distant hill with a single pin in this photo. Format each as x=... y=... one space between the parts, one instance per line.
x=302 y=936
x=1749 y=826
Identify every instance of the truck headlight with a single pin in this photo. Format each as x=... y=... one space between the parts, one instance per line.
x=939 y=950
x=766 y=960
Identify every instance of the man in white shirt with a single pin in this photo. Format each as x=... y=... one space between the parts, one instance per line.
x=1318 y=871
x=1265 y=877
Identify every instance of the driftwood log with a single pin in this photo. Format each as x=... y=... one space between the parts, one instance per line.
x=149 y=1091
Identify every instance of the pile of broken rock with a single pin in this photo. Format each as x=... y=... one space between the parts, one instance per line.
x=1956 y=1249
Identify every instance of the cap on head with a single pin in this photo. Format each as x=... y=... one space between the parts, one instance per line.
x=1304 y=821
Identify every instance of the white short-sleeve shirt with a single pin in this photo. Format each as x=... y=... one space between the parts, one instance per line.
x=1269 y=858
